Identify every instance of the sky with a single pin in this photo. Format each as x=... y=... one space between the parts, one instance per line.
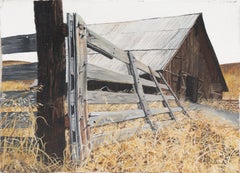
x=221 y=18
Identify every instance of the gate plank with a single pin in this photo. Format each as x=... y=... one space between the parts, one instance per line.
x=104 y=118
x=100 y=74
x=102 y=97
x=111 y=137
x=81 y=62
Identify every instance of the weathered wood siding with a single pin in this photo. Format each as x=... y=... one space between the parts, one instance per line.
x=195 y=58
x=0 y=60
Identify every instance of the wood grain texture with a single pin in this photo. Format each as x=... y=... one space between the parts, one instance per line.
x=19 y=44
x=102 y=97
x=104 y=118
x=20 y=72
x=111 y=137
x=29 y=72
x=101 y=74
x=81 y=62
x=51 y=75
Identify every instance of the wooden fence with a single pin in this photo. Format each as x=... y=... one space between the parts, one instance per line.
x=80 y=73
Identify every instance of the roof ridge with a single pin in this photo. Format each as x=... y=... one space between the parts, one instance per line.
x=153 y=18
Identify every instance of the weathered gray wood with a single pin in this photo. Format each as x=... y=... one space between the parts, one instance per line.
x=19 y=43
x=75 y=141
x=105 y=47
x=20 y=72
x=100 y=74
x=101 y=97
x=156 y=98
x=18 y=98
x=174 y=95
x=139 y=89
x=149 y=83
x=25 y=98
x=29 y=72
x=111 y=137
x=103 y=118
x=164 y=97
x=81 y=62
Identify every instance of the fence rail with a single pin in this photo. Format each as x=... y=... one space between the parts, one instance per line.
x=19 y=44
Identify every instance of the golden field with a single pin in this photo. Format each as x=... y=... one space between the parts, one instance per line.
x=199 y=145
x=231 y=74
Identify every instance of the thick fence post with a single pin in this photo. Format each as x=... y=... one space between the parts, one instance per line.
x=51 y=75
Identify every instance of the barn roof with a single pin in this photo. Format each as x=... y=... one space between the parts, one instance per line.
x=153 y=41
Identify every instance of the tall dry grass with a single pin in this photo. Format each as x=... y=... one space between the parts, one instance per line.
x=231 y=74
x=194 y=145
x=198 y=145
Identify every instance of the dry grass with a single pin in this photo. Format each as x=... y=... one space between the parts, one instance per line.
x=229 y=105
x=197 y=145
x=231 y=74
x=11 y=85
x=8 y=63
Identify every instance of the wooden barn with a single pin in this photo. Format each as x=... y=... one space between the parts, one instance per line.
x=178 y=46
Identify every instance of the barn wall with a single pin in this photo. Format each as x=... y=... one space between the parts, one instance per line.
x=195 y=58
x=0 y=58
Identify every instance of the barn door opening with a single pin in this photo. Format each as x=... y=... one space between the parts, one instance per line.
x=192 y=88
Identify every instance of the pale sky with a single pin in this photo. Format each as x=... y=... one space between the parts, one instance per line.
x=221 y=18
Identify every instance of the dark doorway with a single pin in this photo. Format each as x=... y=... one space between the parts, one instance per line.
x=192 y=88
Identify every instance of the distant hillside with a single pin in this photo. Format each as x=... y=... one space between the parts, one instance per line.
x=231 y=74
x=6 y=63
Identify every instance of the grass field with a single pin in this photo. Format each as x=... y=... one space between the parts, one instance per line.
x=231 y=74
x=199 y=145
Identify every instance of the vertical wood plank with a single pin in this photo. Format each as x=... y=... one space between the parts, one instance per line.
x=51 y=75
x=72 y=93
x=81 y=52
x=139 y=89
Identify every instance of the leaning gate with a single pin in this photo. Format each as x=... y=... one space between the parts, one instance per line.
x=79 y=75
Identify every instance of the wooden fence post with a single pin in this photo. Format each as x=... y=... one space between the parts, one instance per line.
x=51 y=75
x=81 y=53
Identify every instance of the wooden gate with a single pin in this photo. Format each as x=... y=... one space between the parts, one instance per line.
x=80 y=72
